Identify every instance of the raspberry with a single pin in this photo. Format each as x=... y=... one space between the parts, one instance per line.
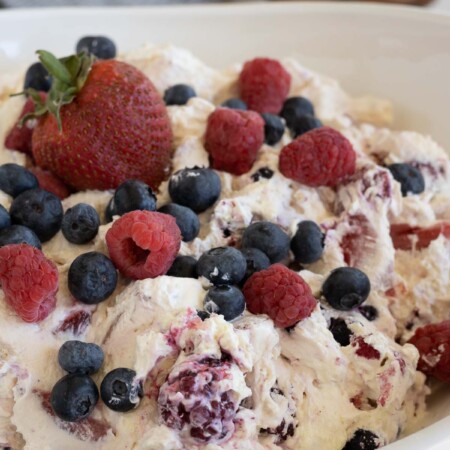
x=233 y=138
x=320 y=157
x=433 y=343
x=364 y=349
x=264 y=85
x=281 y=294
x=50 y=182
x=406 y=237
x=29 y=281
x=143 y=244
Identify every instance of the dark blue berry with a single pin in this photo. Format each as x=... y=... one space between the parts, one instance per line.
x=18 y=234
x=120 y=391
x=196 y=188
x=228 y=301
x=303 y=124
x=273 y=128
x=186 y=219
x=133 y=195
x=80 y=357
x=110 y=210
x=263 y=172
x=39 y=210
x=269 y=238
x=369 y=312
x=256 y=261
x=5 y=219
x=410 y=178
x=340 y=331
x=74 y=397
x=80 y=224
x=99 y=46
x=183 y=267
x=346 y=288
x=203 y=315
x=179 y=94
x=92 y=278
x=15 y=179
x=307 y=243
x=362 y=440
x=222 y=265
x=37 y=78
x=235 y=103
x=294 y=107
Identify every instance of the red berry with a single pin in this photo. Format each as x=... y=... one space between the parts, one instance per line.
x=29 y=281
x=364 y=349
x=320 y=157
x=233 y=138
x=433 y=343
x=143 y=244
x=50 y=182
x=264 y=85
x=406 y=237
x=281 y=294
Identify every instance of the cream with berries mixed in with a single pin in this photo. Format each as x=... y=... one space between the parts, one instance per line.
x=333 y=380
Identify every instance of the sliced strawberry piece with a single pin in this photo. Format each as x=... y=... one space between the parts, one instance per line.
x=406 y=237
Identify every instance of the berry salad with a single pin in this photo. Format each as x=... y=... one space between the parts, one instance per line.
x=190 y=258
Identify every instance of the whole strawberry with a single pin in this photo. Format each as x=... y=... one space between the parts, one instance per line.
x=103 y=123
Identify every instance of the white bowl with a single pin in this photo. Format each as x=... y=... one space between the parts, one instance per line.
x=396 y=52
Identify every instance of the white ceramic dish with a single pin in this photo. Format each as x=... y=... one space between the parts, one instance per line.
x=395 y=52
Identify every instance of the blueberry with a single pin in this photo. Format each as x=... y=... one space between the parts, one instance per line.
x=15 y=179
x=39 y=210
x=37 y=78
x=80 y=223
x=74 y=397
x=120 y=391
x=80 y=357
x=100 y=46
x=256 y=261
x=307 y=243
x=235 y=103
x=110 y=211
x=92 y=278
x=273 y=128
x=203 y=315
x=340 y=331
x=179 y=94
x=183 y=267
x=226 y=300
x=346 y=288
x=303 y=124
x=18 y=234
x=267 y=237
x=294 y=107
x=5 y=220
x=369 y=312
x=196 y=188
x=186 y=219
x=133 y=195
x=222 y=265
x=362 y=440
x=410 y=178
x=263 y=172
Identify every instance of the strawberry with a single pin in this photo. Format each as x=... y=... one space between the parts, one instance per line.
x=406 y=237
x=49 y=182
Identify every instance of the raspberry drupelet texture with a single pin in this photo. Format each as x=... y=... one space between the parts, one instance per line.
x=320 y=157
x=143 y=244
x=29 y=281
x=281 y=294
x=233 y=138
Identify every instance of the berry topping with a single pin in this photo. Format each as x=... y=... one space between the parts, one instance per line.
x=80 y=223
x=179 y=94
x=264 y=172
x=410 y=178
x=50 y=182
x=29 y=281
x=256 y=261
x=281 y=294
x=133 y=195
x=226 y=300
x=197 y=401
x=264 y=85
x=143 y=244
x=80 y=357
x=273 y=128
x=203 y=315
x=364 y=349
x=406 y=237
x=307 y=243
x=37 y=78
x=183 y=267
x=433 y=343
x=295 y=107
x=18 y=234
x=197 y=188
x=186 y=219
x=235 y=103
x=303 y=124
x=15 y=179
x=340 y=331
x=369 y=312
x=267 y=237
x=5 y=219
x=99 y=46
x=92 y=278
x=74 y=397
x=120 y=391
x=222 y=265
x=233 y=138
x=362 y=440
x=321 y=157
x=39 y=210
x=346 y=288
